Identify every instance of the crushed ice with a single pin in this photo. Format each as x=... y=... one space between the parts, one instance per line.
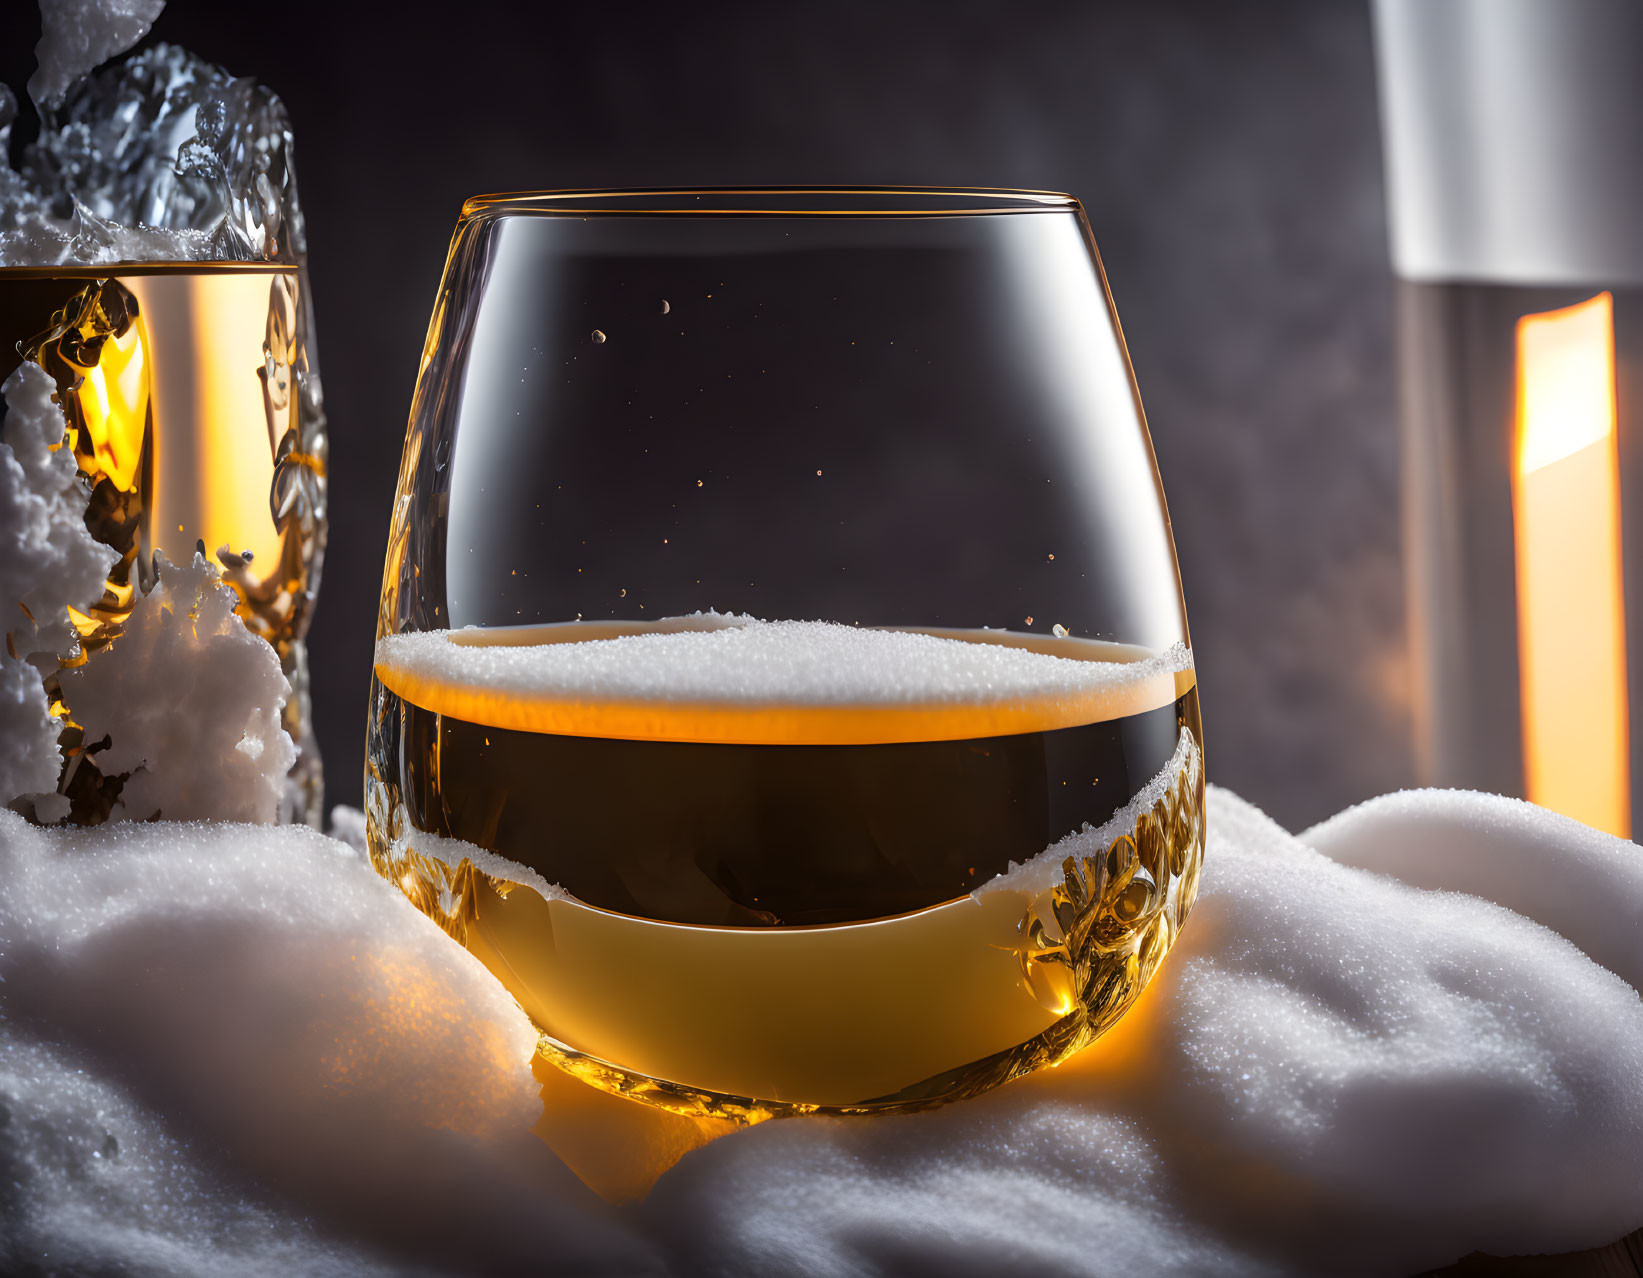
x=160 y=157
x=78 y=35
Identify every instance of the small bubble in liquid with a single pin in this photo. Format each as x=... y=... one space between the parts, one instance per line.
x=598 y=337
x=1029 y=621
x=1058 y=630
x=665 y=307
x=624 y=592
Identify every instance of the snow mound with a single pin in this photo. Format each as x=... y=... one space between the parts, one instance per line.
x=325 y=1059
x=1336 y=1070
x=1457 y=841
x=190 y=701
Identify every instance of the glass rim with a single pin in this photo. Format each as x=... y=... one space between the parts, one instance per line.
x=769 y=201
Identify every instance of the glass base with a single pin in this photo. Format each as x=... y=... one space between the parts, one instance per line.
x=1053 y=1046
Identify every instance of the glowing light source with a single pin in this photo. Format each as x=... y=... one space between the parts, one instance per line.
x=1566 y=521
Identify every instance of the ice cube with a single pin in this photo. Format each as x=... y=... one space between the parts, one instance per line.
x=79 y=35
x=163 y=156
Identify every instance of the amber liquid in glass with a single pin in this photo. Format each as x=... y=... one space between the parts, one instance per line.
x=739 y=929
x=178 y=383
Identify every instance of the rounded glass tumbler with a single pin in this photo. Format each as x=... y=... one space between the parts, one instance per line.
x=880 y=863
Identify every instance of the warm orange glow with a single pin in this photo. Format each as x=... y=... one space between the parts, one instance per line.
x=114 y=405
x=214 y=442
x=1566 y=516
x=619 y=1147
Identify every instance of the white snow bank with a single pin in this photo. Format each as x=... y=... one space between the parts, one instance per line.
x=1335 y=1070
x=1459 y=841
x=190 y=700
x=219 y=1036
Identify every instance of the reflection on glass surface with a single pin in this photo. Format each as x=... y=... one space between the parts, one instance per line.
x=895 y=411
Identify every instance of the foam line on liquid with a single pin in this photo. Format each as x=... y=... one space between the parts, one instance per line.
x=718 y=677
x=453 y=852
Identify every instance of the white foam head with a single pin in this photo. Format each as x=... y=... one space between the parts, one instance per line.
x=730 y=662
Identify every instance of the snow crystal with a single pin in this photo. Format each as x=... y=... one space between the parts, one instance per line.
x=190 y=700
x=48 y=561
x=1334 y=1071
x=718 y=658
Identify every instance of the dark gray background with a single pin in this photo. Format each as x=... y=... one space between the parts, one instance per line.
x=1228 y=154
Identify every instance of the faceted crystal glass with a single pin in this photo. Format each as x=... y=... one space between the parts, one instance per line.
x=192 y=407
x=884 y=862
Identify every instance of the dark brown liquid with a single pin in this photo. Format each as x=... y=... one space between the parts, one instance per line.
x=751 y=835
